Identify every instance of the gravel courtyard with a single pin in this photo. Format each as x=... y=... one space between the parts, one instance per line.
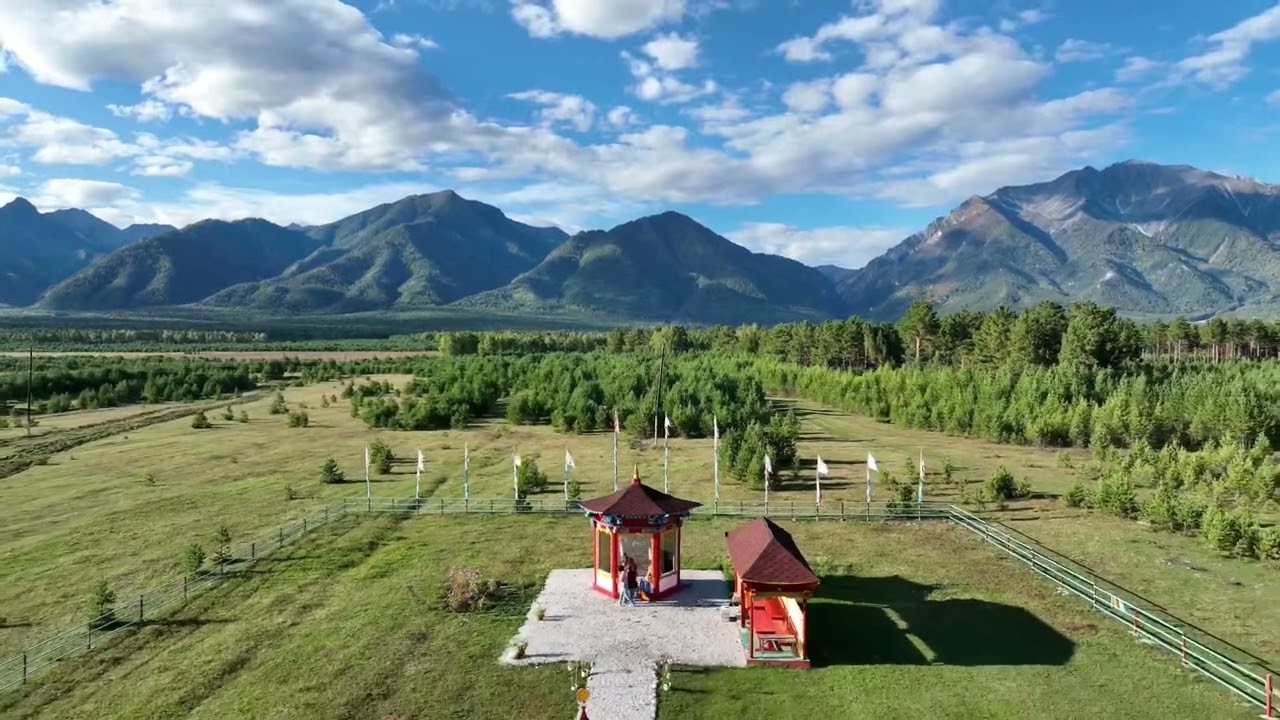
x=626 y=644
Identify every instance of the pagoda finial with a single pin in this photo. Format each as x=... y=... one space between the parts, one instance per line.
x=635 y=479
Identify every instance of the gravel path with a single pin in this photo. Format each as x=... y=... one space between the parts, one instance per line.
x=626 y=644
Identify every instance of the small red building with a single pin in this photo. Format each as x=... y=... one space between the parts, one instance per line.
x=773 y=583
x=642 y=523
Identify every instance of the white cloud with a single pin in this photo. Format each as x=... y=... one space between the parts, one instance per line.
x=656 y=85
x=319 y=83
x=145 y=111
x=847 y=246
x=1135 y=68
x=672 y=52
x=1031 y=16
x=161 y=166
x=1273 y=98
x=408 y=40
x=607 y=19
x=890 y=17
x=9 y=171
x=1074 y=50
x=622 y=116
x=1223 y=62
x=560 y=108
x=74 y=193
x=808 y=97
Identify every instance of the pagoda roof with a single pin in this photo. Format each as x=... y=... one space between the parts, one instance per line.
x=639 y=500
x=765 y=554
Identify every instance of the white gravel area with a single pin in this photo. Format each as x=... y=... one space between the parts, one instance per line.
x=626 y=644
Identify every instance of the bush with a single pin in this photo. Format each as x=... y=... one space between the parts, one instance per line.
x=381 y=457
x=222 y=547
x=1002 y=486
x=193 y=558
x=465 y=590
x=290 y=493
x=299 y=419
x=330 y=473
x=149 y=479
x=242 y=417
x=1115 y=494
x=227 y=414
x=200 y=422
x=278 y=405
x=1064 y=460
x=529 y=479
x=102 y=606
x=1076 y=495
x=324 y=401
x=1269 y=544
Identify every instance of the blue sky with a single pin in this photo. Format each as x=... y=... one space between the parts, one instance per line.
x=826 y=131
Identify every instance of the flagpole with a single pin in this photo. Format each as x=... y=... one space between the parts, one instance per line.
x=868 y=483
x=766 y=484
x=715 y=448
x=920 y=489
x=466 y=473
x=368 y=486
x=515 y=475
x=666 y=455
x=417 y=478
x=817 y=487
x=565 y=483
x=615 y=450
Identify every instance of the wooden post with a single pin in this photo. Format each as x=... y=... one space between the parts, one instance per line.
x=140 y=615
x=1269 y=706
x=304 y=526
x=253 y=551
x=184 y=588
x=24 y=667
x=281 y=536
x=1184 y=648
x=841 y=511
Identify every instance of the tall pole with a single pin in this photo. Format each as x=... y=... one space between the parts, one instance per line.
x=715 y=448
x=615 y=450
x=31 y=362
x=666 y=456
x=657 y=400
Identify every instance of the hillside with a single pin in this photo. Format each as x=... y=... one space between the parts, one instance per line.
x=181 y=266
x=420 y=251
x=39 y=249
x=1145 y=238
x=668 y=267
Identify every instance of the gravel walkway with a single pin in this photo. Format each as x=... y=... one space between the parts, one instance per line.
x=626 y=644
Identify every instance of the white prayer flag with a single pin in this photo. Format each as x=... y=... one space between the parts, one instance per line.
x=466 y=457
x=568 y=461
x=515 y=459
x=617 y=426
x=920 y=487
x=871 y=463
x=666 y=425
x=768 y=466
x=366 y=460
x=823 y=470
x=422 y=462
x=715 y=428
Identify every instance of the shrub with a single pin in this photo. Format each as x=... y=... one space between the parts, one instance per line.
x=330 y=473
x=1115 y=494
x=1269 y=544
x=200 y=422
x=299 y=419
x=324 y=401
x=149 y=479
x=1076 y=496
x=278 y=405
x=381 y=457
x=102 y=606
x=242 y=417
x=520 y=649
x=193 y=558
x=466 y=591
x=539 y=612
x=529 y=479
x=575 y=490
x=1064 y=460
x=1002 y=486
x=222 y=550
x=228 y=414
x=948 y=471
x=290 y=493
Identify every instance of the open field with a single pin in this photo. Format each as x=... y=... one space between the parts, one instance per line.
x=913 y=619
x=89 y=515
x=46 y=424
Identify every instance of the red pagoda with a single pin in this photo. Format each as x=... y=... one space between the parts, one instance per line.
x=641 y=523
x=773 y=583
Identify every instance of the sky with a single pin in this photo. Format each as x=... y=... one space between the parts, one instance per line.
x=826 y=131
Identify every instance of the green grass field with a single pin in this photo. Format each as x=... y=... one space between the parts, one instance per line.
x=347 y=624
x=89 y=515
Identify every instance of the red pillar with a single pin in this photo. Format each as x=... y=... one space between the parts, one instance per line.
x=751 y=630
x=613 y=561
x=804 y=636
x=595 y=555
x=678 y=552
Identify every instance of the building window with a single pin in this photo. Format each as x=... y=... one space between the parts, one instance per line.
x=669 y=542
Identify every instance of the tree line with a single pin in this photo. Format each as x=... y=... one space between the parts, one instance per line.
x=62 y=384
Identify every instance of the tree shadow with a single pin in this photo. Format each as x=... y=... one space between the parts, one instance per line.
x=892 y=621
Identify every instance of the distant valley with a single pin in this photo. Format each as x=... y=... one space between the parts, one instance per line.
x=1148 y=239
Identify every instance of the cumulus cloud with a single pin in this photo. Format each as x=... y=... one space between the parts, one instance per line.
x=70 y=192
x=7 y=170
x=144 y=112
x=1273 y=98
x=595 y=18
x=847 y=246
x=672 y=52
x=1074 y=50
x=1222 y=63
x=561 y=108
x=654 y=84
x=1136 y=68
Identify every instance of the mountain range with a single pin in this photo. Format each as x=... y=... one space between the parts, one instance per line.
x=1148 y=239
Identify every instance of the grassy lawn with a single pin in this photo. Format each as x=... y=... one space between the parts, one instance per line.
x=77 y=418
x=347 y=624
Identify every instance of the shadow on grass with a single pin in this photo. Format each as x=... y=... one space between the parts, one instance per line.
x=891 y=621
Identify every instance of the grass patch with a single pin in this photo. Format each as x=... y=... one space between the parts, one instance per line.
x=351 y=623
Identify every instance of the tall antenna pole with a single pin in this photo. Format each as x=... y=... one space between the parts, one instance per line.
x=31 y=361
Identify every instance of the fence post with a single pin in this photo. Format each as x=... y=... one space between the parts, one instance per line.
x=253 y=551
x=140 y=615
x=1268 y=687
x=184 y=588
x=281 y=536
x=1134 y=613
x=304 y=526
x=441 y=506
x=24 y=667
x=841 y=511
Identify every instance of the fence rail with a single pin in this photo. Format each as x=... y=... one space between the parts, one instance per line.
x=1246 y=677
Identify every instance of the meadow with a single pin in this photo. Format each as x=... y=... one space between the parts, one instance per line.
x=122 y=509
x=348 y=623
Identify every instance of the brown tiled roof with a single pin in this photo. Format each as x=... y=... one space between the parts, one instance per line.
x=639 y=500
x=764 y=553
